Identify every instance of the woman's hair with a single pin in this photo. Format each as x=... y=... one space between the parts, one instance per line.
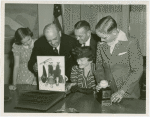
x=22 y=33
x=81 y=52
x=106 y=24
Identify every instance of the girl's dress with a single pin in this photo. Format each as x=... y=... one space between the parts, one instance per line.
x=24 y=75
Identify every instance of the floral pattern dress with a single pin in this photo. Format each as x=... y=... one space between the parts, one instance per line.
x=24 y=75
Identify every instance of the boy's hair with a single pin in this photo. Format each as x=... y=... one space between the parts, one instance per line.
x=82 y=24
x=106 y=24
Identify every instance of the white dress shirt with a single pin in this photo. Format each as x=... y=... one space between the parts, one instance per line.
x=87 y=43
x=121 y=37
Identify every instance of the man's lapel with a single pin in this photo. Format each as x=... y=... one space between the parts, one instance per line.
x=106 y=50
x=62 y=45
x=116 y=48
x=92 y=43
x=121 y=46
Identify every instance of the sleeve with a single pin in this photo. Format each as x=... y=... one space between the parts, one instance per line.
x=16 y=49
x=136 y=66
x=74 y=76
x=99 y=72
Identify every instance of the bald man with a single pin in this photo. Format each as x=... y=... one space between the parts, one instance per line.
x=53 y=43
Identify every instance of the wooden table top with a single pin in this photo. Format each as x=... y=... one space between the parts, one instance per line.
x=81 y=102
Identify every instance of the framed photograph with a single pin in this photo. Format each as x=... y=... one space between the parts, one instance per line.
x=51 y=73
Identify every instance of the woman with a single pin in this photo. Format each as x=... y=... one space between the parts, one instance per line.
x=82 y=74
x=22 y=49
x=119 y=60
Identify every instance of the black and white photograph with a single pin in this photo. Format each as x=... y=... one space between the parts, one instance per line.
x=75 y=57
x=51 y=73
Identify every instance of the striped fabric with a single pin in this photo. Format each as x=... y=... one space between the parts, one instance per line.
x=77 y=76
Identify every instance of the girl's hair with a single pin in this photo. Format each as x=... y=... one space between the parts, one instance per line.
x=22 y=33
x=106 y=25
x=81 y=52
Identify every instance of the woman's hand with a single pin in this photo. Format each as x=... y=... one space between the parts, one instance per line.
x=12 y=87
x=98 y=87
x=102 y=84
x=35 y=67
x=117 y=97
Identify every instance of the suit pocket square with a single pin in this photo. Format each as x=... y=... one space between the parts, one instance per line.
x=122 y=53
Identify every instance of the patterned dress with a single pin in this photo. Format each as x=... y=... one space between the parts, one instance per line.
x=24 y=75
x=77 y=76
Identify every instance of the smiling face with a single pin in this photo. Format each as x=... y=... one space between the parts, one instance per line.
x=26 y=41
x=108 y=38
x=53 y=37
x=82 y=35
x=83 y=62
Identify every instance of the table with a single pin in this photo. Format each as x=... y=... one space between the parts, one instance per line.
x=81 y=102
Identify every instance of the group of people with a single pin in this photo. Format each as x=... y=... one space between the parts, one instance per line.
x=107 y=55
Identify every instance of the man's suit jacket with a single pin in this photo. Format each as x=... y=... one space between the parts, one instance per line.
x=93 y=43
x=43 y=48
x=124 y=66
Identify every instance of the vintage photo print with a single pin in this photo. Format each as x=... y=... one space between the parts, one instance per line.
x=124 y=63
x=51 y=71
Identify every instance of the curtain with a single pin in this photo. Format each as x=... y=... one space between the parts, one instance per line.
x=71 y=16
x=138 y=25
x=89 y=13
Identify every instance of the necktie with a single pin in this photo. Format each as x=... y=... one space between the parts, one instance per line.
x=56 y=51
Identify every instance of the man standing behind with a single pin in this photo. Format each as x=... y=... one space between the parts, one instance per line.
x=119 y=60
x=53 y=43
x=83 y=34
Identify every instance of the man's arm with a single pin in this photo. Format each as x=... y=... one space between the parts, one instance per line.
x=33 y=58
x=136 y=66
x=99 y=72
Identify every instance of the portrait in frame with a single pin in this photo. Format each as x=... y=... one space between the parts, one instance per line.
x=51 y=73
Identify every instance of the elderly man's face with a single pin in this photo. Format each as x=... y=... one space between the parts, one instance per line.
x=82 y=35
x=53 y=37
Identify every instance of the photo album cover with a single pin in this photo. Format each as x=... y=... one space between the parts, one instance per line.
x=51 y=73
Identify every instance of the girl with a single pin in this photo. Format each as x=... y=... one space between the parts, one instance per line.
x=22 y=49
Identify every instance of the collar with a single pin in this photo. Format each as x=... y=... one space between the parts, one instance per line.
x=87 y=43
x=121 y=37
